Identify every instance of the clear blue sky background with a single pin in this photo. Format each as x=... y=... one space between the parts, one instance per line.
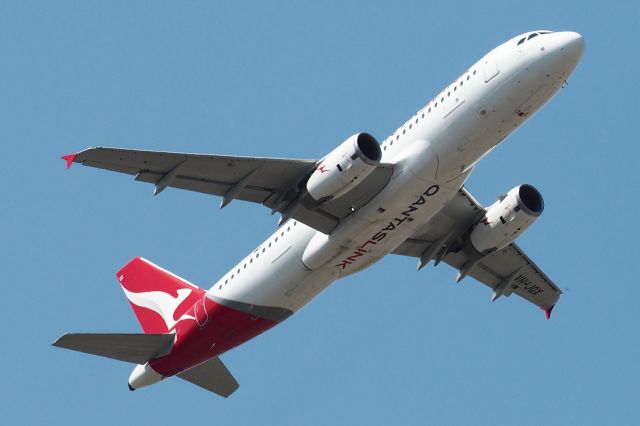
x=388 y=346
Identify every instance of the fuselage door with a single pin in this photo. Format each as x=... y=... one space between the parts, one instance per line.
x=489 y=68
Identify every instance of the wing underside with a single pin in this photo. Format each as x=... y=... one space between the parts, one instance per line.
x=277 y=184
x=506 y=271
x=274 y=182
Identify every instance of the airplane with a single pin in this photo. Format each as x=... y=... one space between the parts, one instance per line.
x=340 y=215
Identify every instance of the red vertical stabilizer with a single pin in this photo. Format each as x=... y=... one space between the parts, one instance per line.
x=159 y=298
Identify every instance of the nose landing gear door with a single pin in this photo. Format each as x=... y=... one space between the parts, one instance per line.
x=489 y=68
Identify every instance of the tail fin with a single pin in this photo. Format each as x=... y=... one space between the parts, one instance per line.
x=158 y=298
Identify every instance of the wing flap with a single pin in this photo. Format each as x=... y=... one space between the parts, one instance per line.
x=252 y=193
x=135 y=348
x=213 y=376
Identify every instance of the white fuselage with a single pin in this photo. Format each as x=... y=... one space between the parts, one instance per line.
x=433 y=154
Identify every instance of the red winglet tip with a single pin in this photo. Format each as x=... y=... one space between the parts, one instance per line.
x=69 y=159
x=547 y=312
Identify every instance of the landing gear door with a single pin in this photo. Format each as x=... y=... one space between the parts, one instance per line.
x=489 y=68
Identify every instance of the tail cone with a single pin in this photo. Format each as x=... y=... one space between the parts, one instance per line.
x=143 y=375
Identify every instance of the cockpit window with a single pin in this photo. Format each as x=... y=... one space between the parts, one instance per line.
x=532 y=35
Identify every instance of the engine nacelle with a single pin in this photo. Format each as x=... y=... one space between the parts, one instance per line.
x=345 y=167
x=507 y=218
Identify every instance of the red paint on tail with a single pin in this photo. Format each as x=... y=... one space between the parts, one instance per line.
x=159 y=298
x=166 y=303
x=226 y=329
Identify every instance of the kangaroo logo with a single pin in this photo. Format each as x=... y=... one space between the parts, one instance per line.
x=161 y=303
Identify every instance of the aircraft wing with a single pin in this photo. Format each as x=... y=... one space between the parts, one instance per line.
x=273 y=182
x=506 y=271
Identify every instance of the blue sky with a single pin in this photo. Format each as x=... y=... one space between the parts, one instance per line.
x=390 y=345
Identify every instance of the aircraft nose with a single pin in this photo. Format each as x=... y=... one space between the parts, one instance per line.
x=572 y=45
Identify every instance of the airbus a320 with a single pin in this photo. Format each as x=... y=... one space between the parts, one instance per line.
x=341 y=214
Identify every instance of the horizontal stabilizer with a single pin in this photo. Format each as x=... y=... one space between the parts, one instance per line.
x=213 y=376
x=135 y=348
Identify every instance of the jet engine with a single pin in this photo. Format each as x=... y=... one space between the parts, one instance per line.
x=345 y=167
x=507 y=218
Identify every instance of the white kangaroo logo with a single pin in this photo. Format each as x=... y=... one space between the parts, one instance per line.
x=162 y=303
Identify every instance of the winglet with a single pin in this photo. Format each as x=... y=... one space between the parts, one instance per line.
x=69 y=159
x=547 y=312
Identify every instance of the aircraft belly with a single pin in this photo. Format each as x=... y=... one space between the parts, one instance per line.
x=407 y=205
x=276 y=277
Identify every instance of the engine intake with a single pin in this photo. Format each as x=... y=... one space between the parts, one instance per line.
x=368 y=148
